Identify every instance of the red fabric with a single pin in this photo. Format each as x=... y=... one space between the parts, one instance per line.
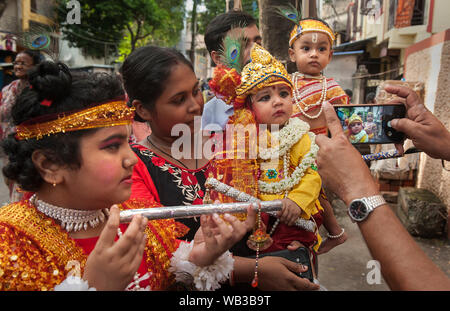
x=143 y=186
x=284 y=234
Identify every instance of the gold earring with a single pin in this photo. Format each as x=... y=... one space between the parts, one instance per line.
x=54 y=184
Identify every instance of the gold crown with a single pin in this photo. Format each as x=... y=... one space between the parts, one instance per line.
x=354 y=118
x=105 y=115
x=310 y=25
x=263 y=70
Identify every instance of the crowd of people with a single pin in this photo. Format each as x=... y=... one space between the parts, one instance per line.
x=71 y=153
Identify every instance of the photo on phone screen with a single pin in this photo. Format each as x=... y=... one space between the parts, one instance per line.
x=370 y=124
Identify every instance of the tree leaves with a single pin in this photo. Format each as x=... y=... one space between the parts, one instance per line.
x=110 y=26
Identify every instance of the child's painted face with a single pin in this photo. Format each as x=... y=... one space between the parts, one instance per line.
x=356 y=127
x=180 y=103
x=273 y=104
x=369 y=118
x=311 y=53
x=104 y=177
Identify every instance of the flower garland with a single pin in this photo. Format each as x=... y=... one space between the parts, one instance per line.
x=288 y=136
x=289 y=182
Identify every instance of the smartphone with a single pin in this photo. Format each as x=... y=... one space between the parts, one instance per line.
x=300 y=255
x=370 y=124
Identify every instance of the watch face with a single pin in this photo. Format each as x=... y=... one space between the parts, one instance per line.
x=358 y=210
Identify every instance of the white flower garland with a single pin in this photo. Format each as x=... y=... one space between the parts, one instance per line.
x=204 y=278
x=289 y=182
x=287 y=136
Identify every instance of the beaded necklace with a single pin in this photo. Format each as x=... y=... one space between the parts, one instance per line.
x=298 y=98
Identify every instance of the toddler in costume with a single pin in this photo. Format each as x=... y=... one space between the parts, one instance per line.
x=310 y=45
x=284 y=171
x=355 y=131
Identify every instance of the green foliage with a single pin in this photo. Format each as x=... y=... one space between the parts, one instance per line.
x=117 y=27
x=216 y=7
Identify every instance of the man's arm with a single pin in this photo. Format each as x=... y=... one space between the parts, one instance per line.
x=403 y=264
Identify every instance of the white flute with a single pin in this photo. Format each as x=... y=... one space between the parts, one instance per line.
x=187 y=211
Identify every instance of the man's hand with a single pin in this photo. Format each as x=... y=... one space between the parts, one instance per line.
x=427 y=133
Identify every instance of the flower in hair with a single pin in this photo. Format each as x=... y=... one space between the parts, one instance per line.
x=46 y=103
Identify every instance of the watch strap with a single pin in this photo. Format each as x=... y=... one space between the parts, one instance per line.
x=374 y=201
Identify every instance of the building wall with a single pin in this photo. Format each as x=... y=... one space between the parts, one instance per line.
x=440 y=15
x=341 y=68
x=429 y=62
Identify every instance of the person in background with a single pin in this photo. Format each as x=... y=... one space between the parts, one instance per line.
x=370 y=99
x=25 y=61
x=217 y=111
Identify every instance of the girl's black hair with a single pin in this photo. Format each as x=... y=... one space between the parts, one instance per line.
x=35 y=56
x=145 y=73
x=67 y=92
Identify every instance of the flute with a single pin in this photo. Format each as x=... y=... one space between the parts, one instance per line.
x=212 y=183
x=388 y=154
x=188 y=211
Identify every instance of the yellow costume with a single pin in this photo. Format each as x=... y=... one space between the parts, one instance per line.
x=299 y=182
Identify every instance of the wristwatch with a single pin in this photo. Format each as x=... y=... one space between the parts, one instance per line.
x=359 y=209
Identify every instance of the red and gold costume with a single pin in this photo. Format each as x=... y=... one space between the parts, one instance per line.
x=310 y=90
x=36 y=253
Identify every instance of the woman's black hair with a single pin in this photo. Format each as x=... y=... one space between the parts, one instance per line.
x=67 y=92
x=35 y=56
x=145 y=73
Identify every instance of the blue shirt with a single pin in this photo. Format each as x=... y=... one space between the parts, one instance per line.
x=215 y=115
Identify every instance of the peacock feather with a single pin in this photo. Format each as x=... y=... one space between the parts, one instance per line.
x=232 y=51
x=39 y=38
x=289 y=12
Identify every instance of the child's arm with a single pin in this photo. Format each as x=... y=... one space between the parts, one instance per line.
x=306 y=192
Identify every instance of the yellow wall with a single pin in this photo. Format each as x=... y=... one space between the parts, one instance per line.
x=441 y=20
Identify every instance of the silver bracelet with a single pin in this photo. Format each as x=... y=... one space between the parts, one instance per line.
x=336 y=236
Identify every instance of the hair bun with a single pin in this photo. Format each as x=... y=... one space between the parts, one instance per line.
x=51 y=80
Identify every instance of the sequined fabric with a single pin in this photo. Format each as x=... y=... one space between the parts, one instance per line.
x=36 y=254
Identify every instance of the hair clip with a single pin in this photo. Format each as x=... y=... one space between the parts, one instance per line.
x=46 y=103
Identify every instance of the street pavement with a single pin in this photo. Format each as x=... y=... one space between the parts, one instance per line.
x=348 y=267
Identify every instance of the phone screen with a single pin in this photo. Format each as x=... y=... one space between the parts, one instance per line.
x=370 y=124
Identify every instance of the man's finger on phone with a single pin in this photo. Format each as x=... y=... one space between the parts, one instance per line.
x=404 y=125
x=412 y=99
x=333 y=123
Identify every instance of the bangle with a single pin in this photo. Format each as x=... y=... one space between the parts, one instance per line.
x=336 y=236
x=204 y=278
x=73 y=283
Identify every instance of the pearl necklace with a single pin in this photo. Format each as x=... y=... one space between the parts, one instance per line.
x=71 y=220
x=298 y=98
